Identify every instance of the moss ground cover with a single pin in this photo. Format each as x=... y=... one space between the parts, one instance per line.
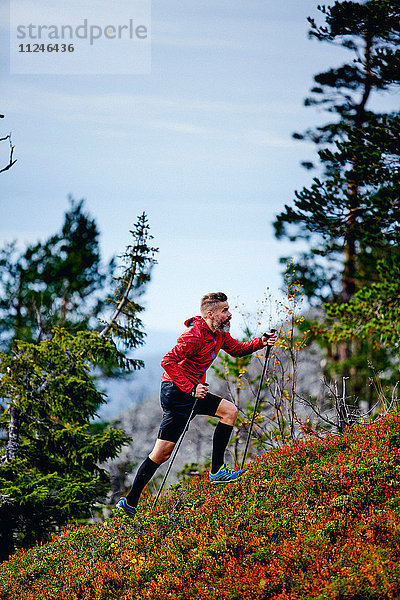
x=316 y=519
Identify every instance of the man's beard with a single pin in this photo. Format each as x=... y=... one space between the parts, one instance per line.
x=223 y=326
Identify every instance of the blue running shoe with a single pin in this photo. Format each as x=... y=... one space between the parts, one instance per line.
x=129 y=510
x=225 y=475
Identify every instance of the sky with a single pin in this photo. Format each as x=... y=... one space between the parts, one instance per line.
x=202 y=143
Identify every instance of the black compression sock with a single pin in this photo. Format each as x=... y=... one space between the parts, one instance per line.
x=143 y=476
x=221 y=437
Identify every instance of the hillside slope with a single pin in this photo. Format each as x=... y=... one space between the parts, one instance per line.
x=317 y=519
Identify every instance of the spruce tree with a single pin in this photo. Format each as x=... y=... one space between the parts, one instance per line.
x=51 y=455
x=59 y=282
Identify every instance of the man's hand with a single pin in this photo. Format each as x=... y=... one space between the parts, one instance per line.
x=270 y=339
x=201 y=390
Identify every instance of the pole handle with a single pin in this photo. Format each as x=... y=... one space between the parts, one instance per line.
x=269 y=334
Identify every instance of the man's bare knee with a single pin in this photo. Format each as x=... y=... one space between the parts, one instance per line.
x=233 y=411
x=227 y=412
x=161 y=452
x=159 y=457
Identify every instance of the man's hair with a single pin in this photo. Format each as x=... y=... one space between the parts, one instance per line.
x=211 y=301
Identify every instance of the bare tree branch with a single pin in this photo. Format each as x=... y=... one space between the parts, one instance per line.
x=121 y=304
x=11 y=162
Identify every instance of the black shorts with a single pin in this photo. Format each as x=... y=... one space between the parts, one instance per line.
x=177 y=406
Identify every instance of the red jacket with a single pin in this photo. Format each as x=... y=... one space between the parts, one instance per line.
x=186 y=364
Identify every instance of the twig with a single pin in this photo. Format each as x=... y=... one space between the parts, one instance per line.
x=120 y=306
x=11 y=162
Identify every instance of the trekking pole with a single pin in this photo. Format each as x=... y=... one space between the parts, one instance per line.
x=175 y=452
x=267 y=353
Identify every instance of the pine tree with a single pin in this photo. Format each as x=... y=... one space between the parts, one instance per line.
x=50 y=460
x=354 y=210
x=350 y=215
x=59 y=282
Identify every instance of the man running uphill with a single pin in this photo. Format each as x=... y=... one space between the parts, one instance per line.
x=183 y=380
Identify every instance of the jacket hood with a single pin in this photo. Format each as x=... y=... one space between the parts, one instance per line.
x=196 y=321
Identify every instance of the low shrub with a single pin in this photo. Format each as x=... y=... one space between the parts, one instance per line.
x=315 y=519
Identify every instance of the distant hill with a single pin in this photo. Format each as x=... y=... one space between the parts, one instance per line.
x=316 y=519
x=123 y=393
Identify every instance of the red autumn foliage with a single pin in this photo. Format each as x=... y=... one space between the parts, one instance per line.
x=315 y=519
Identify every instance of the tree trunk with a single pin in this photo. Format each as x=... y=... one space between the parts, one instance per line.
x=6 y=521
x=6 y=539
x=349 y=270
x=13 y=433
x=349 y=278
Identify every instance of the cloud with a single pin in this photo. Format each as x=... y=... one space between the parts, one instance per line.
x=118 y=115
x=63 y=104
x=193 y=42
